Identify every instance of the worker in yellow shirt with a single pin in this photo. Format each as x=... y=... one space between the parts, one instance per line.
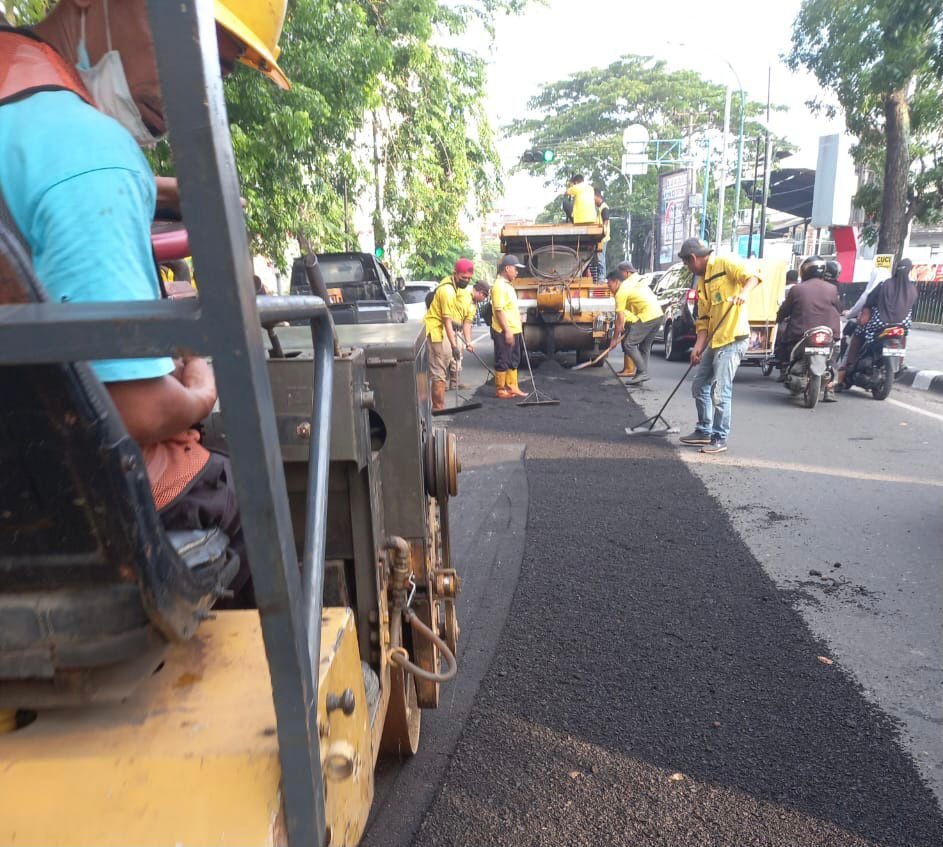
x=602 y=218
x=723 y=328
x=440 y=320
x=578 y=202
x=467 y=298
x=506 y=329
x=638 y=319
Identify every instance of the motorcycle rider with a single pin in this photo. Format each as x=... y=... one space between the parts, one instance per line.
x=813 y=302
x=889 y=304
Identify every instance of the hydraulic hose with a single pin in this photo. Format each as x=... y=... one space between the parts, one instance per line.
x=401 y=657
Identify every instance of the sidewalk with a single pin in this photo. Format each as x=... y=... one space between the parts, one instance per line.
x=924 y=361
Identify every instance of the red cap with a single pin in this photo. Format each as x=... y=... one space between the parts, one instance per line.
x=464 y=266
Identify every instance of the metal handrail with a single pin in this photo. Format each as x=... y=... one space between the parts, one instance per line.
x=188 y=62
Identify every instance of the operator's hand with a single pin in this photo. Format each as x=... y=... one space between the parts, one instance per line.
x=509 y=338
x=456 y=352
x=739 y=299
x=196 y=375
x=696 y=353
x=469 y=347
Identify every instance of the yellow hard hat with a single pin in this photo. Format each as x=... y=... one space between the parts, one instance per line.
x=257 y=24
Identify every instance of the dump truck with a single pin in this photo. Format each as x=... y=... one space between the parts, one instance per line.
x=562 y=308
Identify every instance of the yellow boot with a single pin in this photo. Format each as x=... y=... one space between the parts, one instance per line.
x=501 y=385
x=512 y=385
x=628 y=367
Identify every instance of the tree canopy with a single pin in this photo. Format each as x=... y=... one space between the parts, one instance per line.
x=582 y=118
x=882 y=59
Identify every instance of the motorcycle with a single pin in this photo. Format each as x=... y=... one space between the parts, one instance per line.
x=810 y=365
x=879 y=362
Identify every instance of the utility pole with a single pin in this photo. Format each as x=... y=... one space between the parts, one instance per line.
x=722 y=179
x=756 y=170
x=767 y=164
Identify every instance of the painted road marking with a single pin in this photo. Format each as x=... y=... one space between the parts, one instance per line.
x=696 y=458
x=919 y=411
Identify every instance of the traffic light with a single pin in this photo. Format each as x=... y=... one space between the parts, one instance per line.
x=379 y=252
x=537 y=155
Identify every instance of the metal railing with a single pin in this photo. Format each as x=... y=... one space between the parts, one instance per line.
x=929 y=306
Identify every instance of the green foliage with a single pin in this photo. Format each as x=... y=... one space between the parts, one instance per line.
x=20 y=12
x=581 y=119
x=440 y=263
x=868 y=52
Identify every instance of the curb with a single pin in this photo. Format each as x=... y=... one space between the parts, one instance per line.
x=922 y=380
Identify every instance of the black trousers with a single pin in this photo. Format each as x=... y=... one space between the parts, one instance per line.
x=210 y=501
x=506 y=357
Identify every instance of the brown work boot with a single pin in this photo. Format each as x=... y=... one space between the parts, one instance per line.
x=628 y=367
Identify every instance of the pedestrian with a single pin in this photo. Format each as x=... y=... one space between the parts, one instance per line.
x=440 y=319
x=83 y=210
x=578 y=201
x=638 y=319
x=723 y=328
x=506 y=329
x=602 y=218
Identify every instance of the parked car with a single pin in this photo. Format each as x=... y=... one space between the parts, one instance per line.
x=414 y=294
x=359 y=288
x=677 y=296
x=651 y=278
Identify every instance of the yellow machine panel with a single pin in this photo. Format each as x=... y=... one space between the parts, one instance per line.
x=191 y=758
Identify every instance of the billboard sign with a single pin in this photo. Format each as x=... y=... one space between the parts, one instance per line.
x=673 y=214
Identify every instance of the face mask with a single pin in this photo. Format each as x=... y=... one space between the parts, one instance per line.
x=108 y=85
x=462 y=283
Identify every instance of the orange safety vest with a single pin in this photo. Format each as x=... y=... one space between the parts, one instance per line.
x=28 y=66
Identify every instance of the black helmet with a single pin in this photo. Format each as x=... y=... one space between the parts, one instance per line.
x=832 y=270
x=814 y=266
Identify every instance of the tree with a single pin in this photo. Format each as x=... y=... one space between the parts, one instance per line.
x=882 y=61
x=582 y=118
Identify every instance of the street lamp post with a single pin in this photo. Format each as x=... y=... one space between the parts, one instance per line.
x=722 y=181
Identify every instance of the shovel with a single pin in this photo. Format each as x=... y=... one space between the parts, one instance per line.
x=600 y=357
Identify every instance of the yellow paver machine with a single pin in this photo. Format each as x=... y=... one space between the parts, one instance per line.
x=563 y=308
x=132 y=710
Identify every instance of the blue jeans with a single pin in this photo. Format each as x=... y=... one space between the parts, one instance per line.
x=713 y=388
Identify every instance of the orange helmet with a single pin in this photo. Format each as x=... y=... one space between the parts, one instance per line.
x=257 y=24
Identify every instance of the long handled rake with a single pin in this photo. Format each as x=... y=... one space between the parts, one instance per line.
x=647 y=427
x=536 y=396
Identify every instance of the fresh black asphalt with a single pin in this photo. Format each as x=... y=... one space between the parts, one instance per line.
x=651 y=685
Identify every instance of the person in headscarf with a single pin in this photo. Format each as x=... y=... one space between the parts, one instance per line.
x=889 y=304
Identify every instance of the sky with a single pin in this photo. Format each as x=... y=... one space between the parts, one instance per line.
x=541 y=46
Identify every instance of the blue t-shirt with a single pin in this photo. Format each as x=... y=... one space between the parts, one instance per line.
x=83 y=196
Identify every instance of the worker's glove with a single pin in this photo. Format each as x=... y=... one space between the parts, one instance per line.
x=456 y=352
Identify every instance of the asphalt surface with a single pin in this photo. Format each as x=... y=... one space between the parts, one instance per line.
x=842 y=506
x=653 y=685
